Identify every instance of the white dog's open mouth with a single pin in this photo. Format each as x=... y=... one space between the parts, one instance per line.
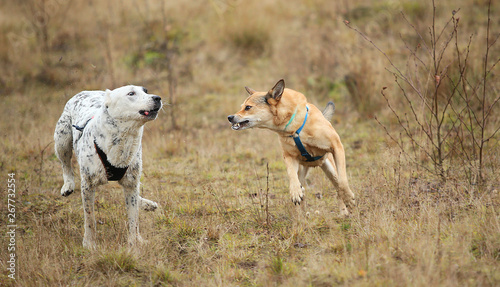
x=150 y=113
x=240 y=125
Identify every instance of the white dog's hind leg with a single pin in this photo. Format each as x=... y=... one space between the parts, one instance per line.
x=147 y=205
x=88 y=196
x=64 y=150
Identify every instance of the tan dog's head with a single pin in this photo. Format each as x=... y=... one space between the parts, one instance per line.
x=257 y=109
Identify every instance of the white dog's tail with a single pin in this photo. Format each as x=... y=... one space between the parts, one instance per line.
x=329 y=111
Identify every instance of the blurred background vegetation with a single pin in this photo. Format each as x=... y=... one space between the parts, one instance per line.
x=198 y=55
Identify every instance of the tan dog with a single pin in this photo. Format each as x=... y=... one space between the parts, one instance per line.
x=298 y=123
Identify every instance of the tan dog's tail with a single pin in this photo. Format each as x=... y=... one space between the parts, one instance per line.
x=329 y=111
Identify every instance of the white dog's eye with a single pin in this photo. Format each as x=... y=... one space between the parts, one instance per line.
x=131 y=94
x=247 y=108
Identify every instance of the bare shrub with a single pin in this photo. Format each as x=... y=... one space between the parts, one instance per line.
x=445 y=114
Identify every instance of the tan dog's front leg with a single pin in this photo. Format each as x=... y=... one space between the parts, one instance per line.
x=292 y=168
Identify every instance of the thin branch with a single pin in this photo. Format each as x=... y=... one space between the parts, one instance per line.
x=423 y=128
x=402 y=148
x=492 y=135
x=378 y=49
x=402 y=125
x=418 y=33
x=413 y=53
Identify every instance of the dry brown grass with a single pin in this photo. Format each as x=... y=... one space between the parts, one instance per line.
x=217 y=226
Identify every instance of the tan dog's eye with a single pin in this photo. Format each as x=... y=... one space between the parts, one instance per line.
x=247 y=108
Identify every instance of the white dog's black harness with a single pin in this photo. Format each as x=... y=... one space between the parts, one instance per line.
x=113 y=173
x=298 y=142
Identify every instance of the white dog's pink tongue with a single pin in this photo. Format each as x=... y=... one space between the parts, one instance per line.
x=146 y=113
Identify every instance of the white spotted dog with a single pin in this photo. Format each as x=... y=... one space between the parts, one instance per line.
x=105 y=130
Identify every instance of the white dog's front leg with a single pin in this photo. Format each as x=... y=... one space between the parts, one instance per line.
x=88 y=196
x=292 y=168
x=132 y=202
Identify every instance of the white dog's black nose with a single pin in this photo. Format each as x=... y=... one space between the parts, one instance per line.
x=230 y=118
x=157 y=102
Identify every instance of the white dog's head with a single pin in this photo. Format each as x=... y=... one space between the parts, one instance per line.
x=130 y=103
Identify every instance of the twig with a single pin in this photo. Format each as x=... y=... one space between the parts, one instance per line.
x=268 y=221
x=41 y=162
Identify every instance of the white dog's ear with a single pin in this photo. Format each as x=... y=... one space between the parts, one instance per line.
x=250 y=91
x=107 y=97
x=274 y=95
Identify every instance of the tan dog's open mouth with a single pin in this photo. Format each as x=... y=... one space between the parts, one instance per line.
x=240 y=125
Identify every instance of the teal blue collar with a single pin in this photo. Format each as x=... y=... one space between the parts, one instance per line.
x=291 y=119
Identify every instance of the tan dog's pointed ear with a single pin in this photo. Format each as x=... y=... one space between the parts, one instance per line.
x=274 y=95
x=250 y=91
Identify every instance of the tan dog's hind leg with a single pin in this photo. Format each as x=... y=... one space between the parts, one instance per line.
x=292 y=168
x=302 y=176
x=329 y=169
x=344 y=191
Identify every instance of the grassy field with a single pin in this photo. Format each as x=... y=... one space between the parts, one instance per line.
x=226 y=218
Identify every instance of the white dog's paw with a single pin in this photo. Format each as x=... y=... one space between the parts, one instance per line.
x=89 y=244
x=135 y=241
x=148 y=205
x=141 y=240
x=68 y=188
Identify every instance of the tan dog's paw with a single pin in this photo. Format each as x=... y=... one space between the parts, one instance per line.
x=344 y=212
x=351 y=203
x=297 y=198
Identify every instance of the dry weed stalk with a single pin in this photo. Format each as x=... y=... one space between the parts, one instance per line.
x=40 y=171
x=268 y=221
x=262 y=215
